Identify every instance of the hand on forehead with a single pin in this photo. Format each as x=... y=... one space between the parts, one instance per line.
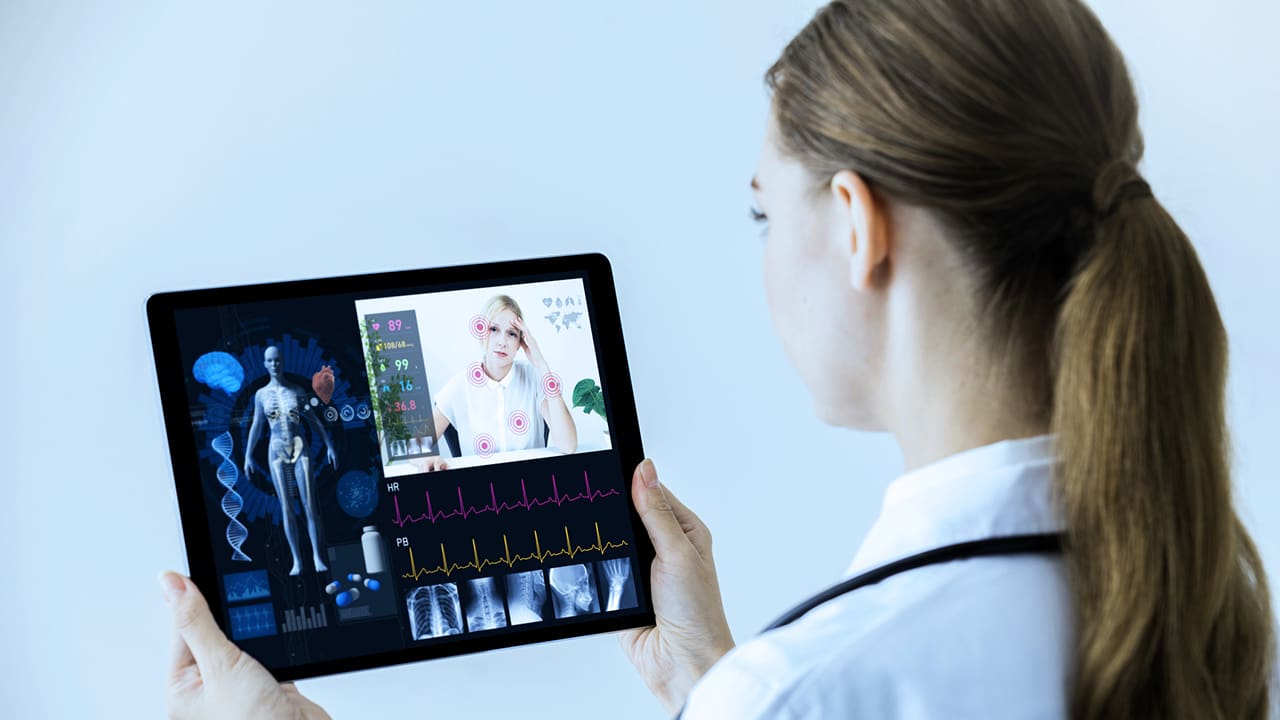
x=504 y=320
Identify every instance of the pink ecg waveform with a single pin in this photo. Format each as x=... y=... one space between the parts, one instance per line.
x=465 y=511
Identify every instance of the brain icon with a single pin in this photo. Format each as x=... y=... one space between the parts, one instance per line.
x=220 y=371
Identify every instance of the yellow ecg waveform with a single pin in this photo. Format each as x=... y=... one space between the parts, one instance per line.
x=570 y=550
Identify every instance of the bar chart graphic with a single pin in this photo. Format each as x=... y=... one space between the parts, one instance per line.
x=304 y=618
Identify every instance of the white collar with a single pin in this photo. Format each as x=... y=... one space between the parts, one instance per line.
x=1005 y=488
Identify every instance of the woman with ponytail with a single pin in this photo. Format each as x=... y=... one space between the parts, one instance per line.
x=955 y=184
x=959 y=179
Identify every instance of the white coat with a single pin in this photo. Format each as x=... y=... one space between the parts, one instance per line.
x=987 y=637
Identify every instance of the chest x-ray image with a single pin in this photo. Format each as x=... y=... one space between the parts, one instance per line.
x=483 y=604
x=526 y=597
x=434 y=611
x=573 y=591
x=283 y=406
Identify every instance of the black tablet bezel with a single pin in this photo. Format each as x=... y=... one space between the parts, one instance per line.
x=623 y=423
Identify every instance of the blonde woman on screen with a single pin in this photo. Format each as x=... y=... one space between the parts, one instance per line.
x=499 y=403
x=961 y=251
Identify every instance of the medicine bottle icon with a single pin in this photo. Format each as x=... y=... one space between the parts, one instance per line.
x=371 y=542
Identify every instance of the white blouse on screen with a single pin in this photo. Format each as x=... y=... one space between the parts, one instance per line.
x=506 y=410
x=987 y=637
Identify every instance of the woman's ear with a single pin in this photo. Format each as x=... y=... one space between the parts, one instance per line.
x=861 y=227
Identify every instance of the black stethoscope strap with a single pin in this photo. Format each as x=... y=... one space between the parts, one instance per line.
x=1008 y=545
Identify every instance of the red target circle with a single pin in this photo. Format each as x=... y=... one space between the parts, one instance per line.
x=518 y=422
x=475 y=373
x=479 y=327
x=551 y=385
x=484 y=445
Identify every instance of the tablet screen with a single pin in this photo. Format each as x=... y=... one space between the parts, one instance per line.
x=405 y=472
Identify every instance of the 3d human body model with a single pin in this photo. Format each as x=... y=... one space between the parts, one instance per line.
x=484 y=605
x=284 y=407
x=572 y=591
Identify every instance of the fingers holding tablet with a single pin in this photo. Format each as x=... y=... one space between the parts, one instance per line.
x=209 y=677
x=691 y=630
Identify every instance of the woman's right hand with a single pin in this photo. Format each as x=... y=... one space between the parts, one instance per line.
x=691 y=632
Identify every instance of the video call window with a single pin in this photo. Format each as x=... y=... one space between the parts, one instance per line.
x=482 y=376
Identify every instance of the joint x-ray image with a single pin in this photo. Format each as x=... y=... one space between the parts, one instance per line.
x=573 y=591
x=434 y=611
x=618 y=583
x=483 y=604
x=526 y=597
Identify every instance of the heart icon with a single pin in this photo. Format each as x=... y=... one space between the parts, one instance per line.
x=377 y=325
x=322 y=383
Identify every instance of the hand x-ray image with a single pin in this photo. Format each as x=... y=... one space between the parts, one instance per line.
x=434 y=610
x=618 y=583
x=526 y=597
x=483 y=604
x=573 y=591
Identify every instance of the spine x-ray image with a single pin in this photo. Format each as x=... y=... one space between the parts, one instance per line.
x=619 y=584
x=434 y=611
x=526 y=597
x=573 y=591
x=484 y=605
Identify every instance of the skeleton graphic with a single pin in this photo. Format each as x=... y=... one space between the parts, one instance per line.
x=284 y=407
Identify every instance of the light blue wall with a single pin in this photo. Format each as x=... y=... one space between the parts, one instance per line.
x=167 y=145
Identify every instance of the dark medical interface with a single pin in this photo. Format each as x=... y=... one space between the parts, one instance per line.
x=386 y=472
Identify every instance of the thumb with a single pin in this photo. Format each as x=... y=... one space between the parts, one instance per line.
x=212 y=651
x=655 y=511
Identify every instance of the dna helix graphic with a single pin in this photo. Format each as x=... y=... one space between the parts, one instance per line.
x=231 y=501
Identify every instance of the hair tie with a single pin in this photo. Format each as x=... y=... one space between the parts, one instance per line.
x=1117 y=182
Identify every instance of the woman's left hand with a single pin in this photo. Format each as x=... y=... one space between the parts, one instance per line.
x=690 y=633
x=530 y=346
x=209 y=677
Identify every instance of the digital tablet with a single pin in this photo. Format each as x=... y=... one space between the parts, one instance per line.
x=378 y=469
